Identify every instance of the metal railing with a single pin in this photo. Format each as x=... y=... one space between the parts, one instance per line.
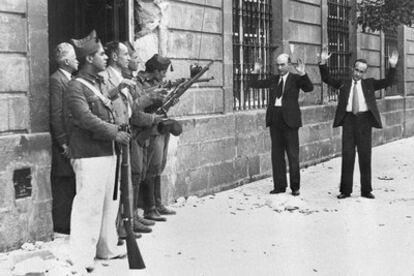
x=338 y=42
x=252 y=23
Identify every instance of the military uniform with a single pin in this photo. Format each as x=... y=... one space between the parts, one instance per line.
x=155 y=148
x=93 y=157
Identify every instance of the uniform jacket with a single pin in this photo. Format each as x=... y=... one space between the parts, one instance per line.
x=369 y=86
x=93 y=128
x=121 y=100
x=290 y=105
x=58 y=83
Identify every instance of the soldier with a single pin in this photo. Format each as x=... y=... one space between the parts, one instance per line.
x=93 y=147
x=138 y=152
x=126 y=107
x=157 y=147
x=62 y=175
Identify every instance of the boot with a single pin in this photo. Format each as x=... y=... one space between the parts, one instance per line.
x=141 y=228
x=153 y=214
x=165 y=211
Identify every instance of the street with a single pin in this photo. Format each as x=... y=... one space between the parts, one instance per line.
x=247 y=231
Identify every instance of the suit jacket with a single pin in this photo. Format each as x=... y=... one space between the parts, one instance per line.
x=121 y=100
x=369 y=86
x=93 y=128
x=58 y=83
x=290 y=105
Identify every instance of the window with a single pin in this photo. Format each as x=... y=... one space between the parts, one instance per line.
x=252 y=21
x=338 y=38
x=391 y=44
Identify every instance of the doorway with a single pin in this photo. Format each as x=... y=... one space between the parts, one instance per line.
x=77 y=18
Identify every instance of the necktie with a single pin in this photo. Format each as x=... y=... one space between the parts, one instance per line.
x=279 y=90
x=355 y=102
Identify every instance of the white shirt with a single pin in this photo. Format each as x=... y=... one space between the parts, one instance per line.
x=361 y=99
x=66 y=73
x=278 y=101
x=118 y=79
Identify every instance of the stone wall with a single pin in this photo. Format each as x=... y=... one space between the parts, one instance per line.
x=221 y=148
x=24 y=140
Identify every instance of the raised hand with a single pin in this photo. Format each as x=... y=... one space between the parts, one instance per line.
x=257 y=67
x=393 y=59
x=325 y=55
x=300 y=68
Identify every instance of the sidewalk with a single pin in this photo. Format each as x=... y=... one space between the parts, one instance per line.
x=247 y=231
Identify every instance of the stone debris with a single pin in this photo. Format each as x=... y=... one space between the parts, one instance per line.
x=385 y=177
x=28 y=247
x=190 y=201
x=180 y=202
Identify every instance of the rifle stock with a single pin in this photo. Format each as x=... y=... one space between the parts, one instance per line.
x=135 y=260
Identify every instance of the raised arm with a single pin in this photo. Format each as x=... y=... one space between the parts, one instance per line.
x=323 y=69
x=389 y=78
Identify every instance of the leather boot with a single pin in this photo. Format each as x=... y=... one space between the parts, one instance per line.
x=153 y=214
x=165 y=211
x=141 y=228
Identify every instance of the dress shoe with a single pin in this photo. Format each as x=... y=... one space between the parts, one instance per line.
x=146 y=222
x=154 y=215
x=277 y=191
x=295 y=193
x=141 y=228
x=165 y=211
x=368 y=195
x=342 y=196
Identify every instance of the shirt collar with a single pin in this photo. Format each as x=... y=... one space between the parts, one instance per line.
x=284 y=77
x=116 y=73
x=66 y=73
x=91 y=77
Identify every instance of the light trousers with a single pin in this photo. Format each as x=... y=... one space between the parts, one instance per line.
x=93 y=230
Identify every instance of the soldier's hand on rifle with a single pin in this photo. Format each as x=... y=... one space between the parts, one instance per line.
x=126 y=83
x=325 y=55
x=393 y=59
x=123 y=137
x=158 y=95
x=175 y=101
x=66 y=151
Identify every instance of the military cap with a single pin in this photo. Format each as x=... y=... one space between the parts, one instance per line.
x=157 y=63
x=87 y=45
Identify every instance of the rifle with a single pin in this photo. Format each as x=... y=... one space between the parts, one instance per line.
x=135 y=260
x=172 y=97
x=181 y=88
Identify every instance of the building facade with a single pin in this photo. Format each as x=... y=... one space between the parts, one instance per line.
x=225 y=142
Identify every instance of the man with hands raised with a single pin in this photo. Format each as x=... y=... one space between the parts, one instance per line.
x=283 y=117
x=357 y=113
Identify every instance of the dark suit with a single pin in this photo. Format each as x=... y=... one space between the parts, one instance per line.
x=62 y=175
x=356 y=129
x=284 y=123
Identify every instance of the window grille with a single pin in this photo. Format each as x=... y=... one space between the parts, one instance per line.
x=391 y=44
x=339 y=46
x=252 y=21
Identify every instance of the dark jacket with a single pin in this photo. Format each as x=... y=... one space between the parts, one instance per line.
x=369 y=86
x=93 y=128
x=58 y=83
x=290 y=105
